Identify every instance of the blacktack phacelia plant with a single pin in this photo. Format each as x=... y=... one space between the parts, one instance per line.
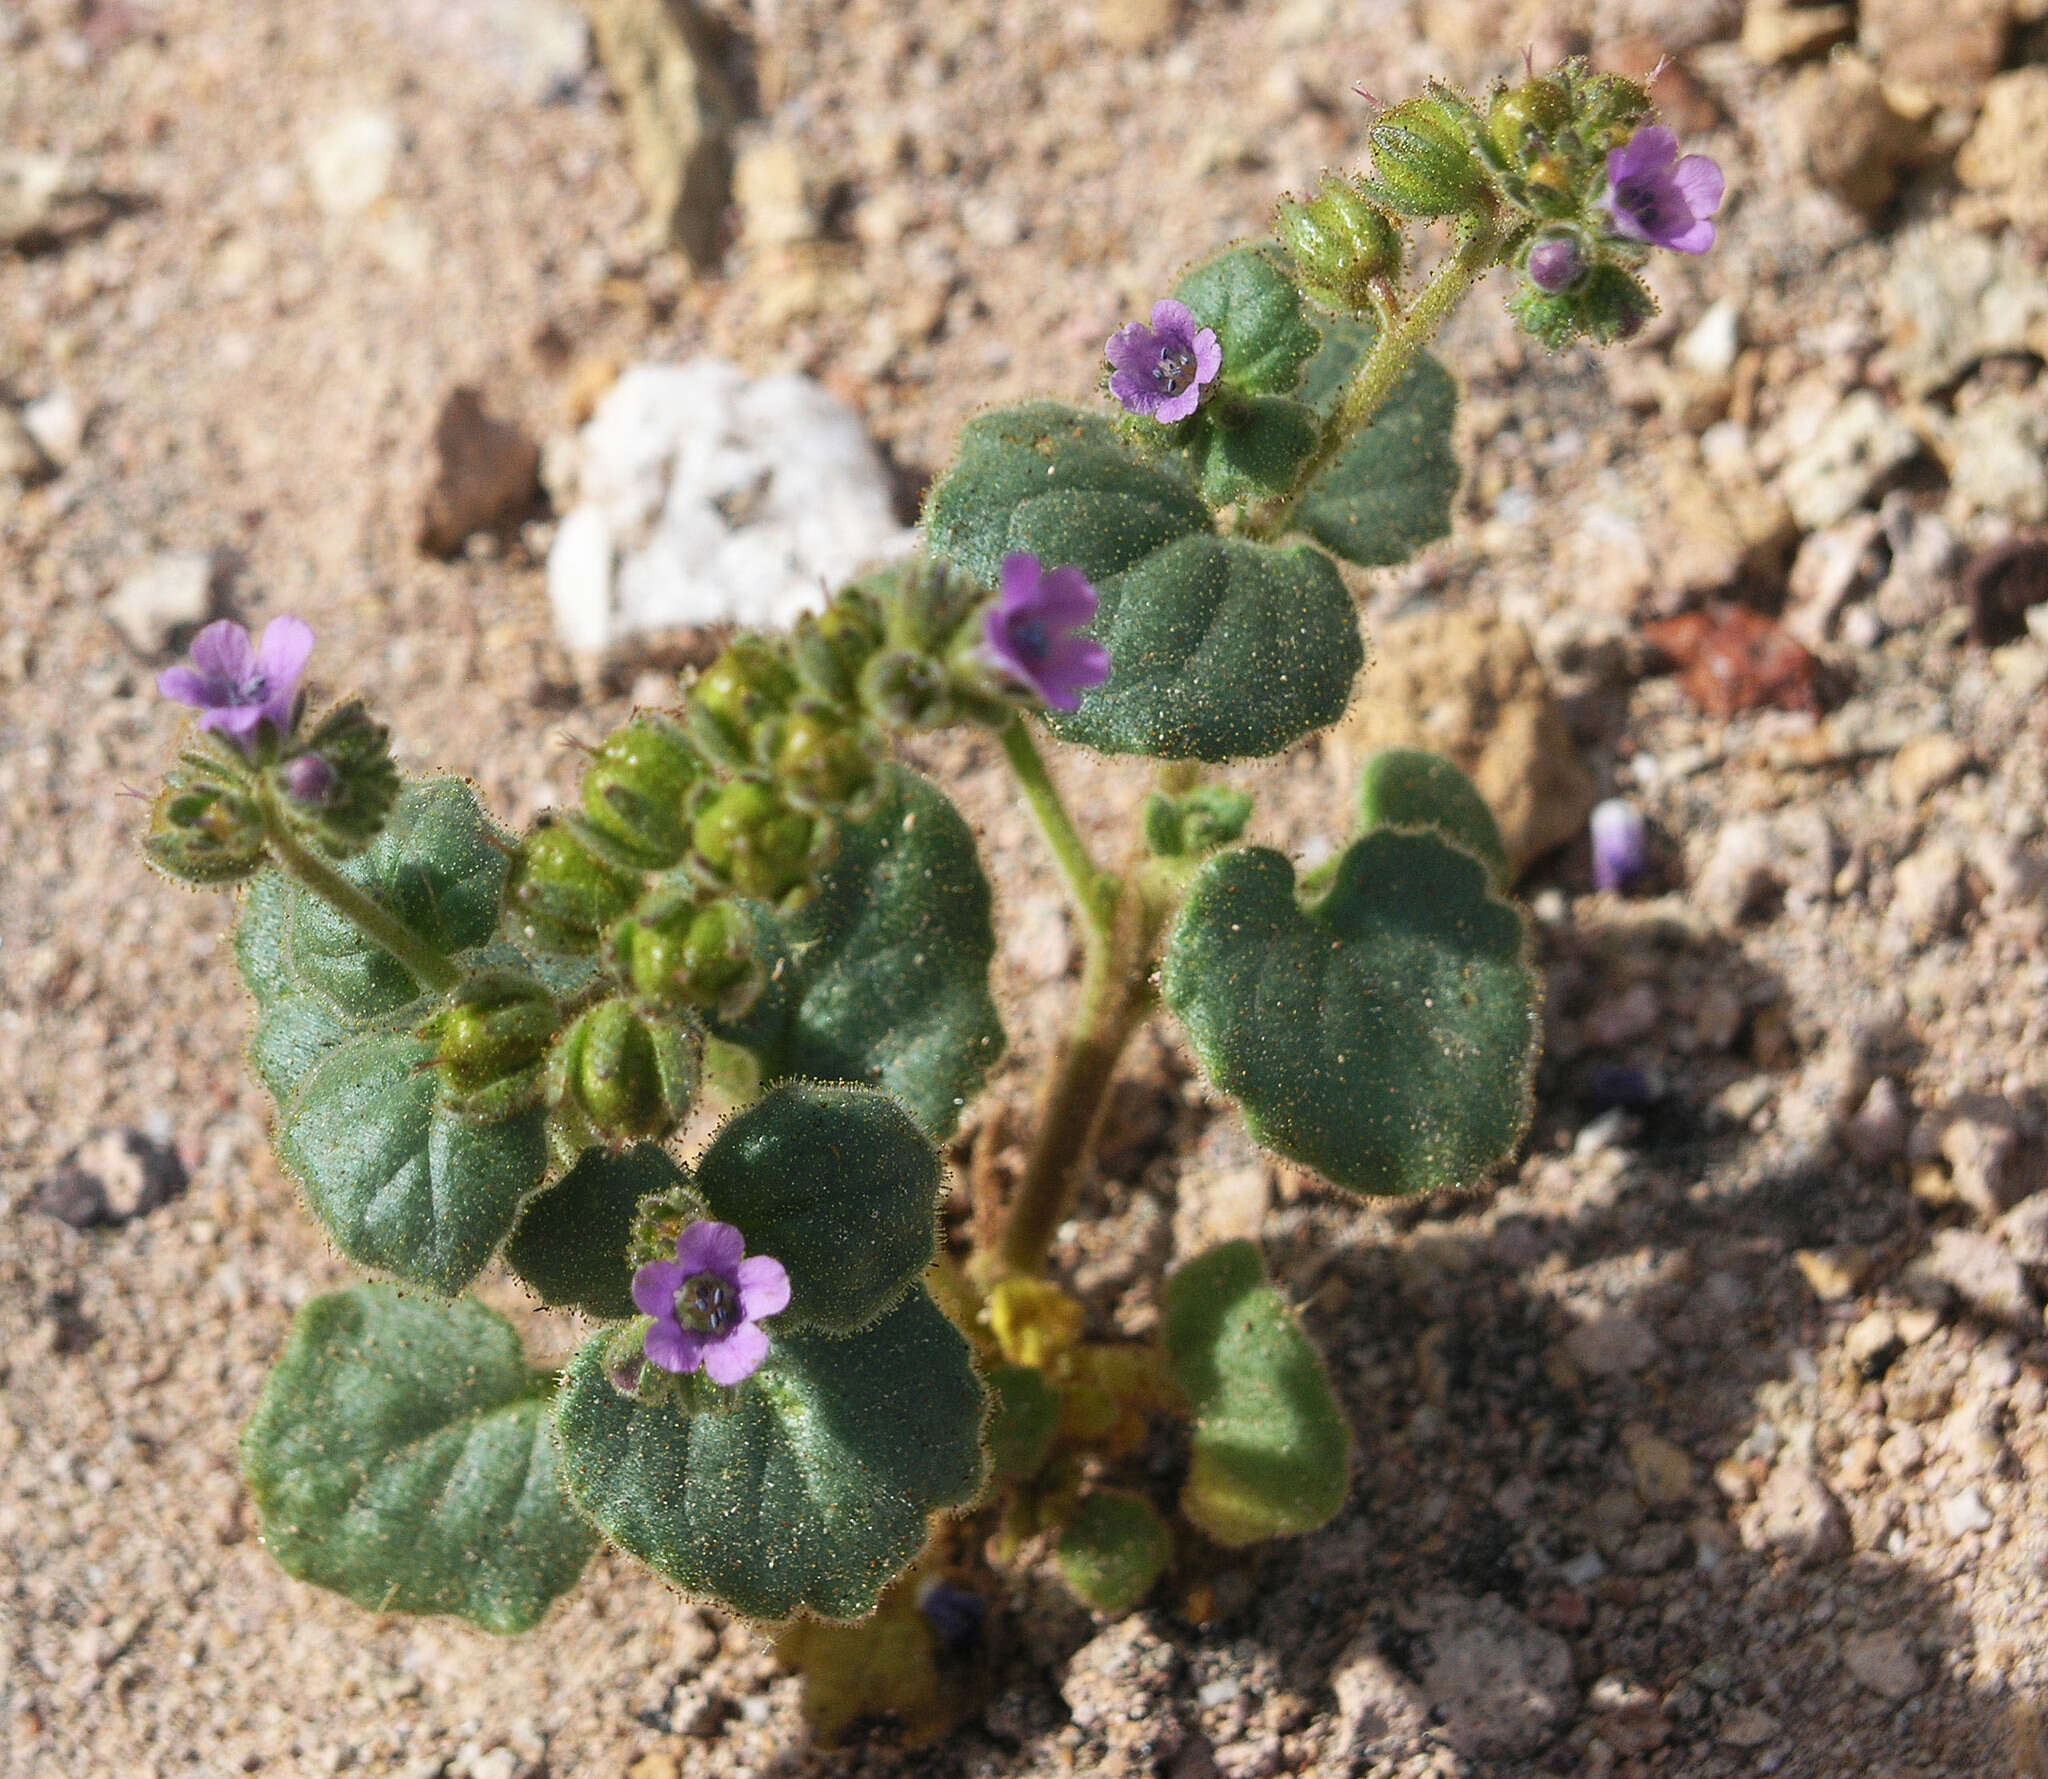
x=797 y=1400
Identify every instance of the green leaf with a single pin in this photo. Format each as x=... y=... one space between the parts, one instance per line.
x=1024 y=1418
x=1389 y=491
x=809 y=1488
x=1406 y=787
x=840 y=1185
x=400 y=1455
x=1386 y=1035
x=887 y=968
x=1256 y=311
x=1220 y=649
x=572 y=1242
x=1112 y=1550
x=1255 y=447
x=401 y=1184
x=1061 y=484
x=1271 y=1453
x=1329 y=373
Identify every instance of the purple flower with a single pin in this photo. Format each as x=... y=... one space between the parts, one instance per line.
x=708 y=1303
x=1654 y=196
x=1556 y=263
x=311 y=780
x=1621 y=851
x=1030 y=631
x=240 y=685
x=1162 y=370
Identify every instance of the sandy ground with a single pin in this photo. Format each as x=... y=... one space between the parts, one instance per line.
x=258 y=378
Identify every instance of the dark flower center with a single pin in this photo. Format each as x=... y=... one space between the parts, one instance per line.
x=1030 y=638
x=708 y=1303
x=1650 y=202
x=1176 y=369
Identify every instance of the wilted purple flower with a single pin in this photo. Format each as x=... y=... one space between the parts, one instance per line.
x=240 y=685
x=1162 y=370
x=1030 y=631
x=955 y=1614
x=1655 y=197
x=708 y=1304
x=1556 y=263
x=1621 y=849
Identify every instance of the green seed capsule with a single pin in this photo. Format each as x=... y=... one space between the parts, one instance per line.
x=822 y=764
x=745 y=685
x=632 y=1075
x=750 y=839
x=1527 y=115
x=685 y=955
x=636 y=793
x=903 y=690
x=1341 y=245
x=204 y=833
x=1424 y=160
x=491 y=1043
x=561 y=896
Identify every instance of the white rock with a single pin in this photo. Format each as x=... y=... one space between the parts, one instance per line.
x=165 y=598
x=2001 y=458
x=1858 y=446
x=1965 y=1513
x=704 y=498
x=1500 y=1686
x=1711 y=343
x=350 y=159
x=56 y=425
x=1928 y=891
x=1612 y=1345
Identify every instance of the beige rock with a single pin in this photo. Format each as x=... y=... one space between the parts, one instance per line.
x=1984 y=1274
x=1663 y=1471
x=1854 y=143
x=1136 y=24
x=2006 y=156
x=1214 y=1207
x=21 y=458
x=2000 y=455
x=1784 y=31
x=1708 y=533
x=1467 y=684
x=1947 y=48
x=1796 y=1516
x=776 y=205
x=659 y=58
x=1884 y=1662
x=1925 y=765
x=1953 y=297
x=1834 y=1273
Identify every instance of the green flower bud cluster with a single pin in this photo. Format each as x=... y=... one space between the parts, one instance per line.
x=1425 y=158
x=206 y=827
x=1345 y=248
x=491 y=1042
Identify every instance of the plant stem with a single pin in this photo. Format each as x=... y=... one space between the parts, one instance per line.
x=369 y=916
x=1387 y=363
x=1094 y=890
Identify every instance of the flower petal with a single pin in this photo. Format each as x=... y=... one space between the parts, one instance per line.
x=186 y=685
x=237 y=720
x=1066 y=600
x=1696 y=238
x=1648 y=151
x=764 y=1287
x=710 y=1247
x=1208 y=355
x=655 y=1286
x=674 y=1348
x=282 y=655
x=1077 y=665
x=1132 y=348
x=1699 y=177
x=1177 y=408
x=222 y=651
x=1170 y=316
x=1021 y=572
x=737 y=1357
x=1136 y=390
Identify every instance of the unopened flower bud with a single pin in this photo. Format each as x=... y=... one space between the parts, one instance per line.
x=561 y=896
x=749 y=839
x=1341 y=244
x=1423 y=159
x=1621 y=844
x=830 y=648
x=1521 y=120
x=749 y=682
x=205 y=832
x=491 y=1044
x=633 y=1076
x=684 y=954
x=636 y=794
x=1556 y=262
x=341 y=783
x=310 y=780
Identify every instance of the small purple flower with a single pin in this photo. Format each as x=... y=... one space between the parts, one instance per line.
x=1030 y=631
x=1556 y=263
x=1657 y=198
x=240 y=685
x=708 y=1304
x=1621 y=849
x=1162 y=370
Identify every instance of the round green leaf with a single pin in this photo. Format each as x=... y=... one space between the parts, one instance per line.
x=1061 y=484
x=1406 y=787
x=840 y=1185
x=1220 y=649
x=1389 y=491
x=1256 y=311
x=1271 y=1453
x=1385 y=1036
x=400 y=1455
x=810 y=1489
x=401 y=1184
x=1254 y=448
x=1112 y=1550
x=885 y=971
x=572 y=1240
